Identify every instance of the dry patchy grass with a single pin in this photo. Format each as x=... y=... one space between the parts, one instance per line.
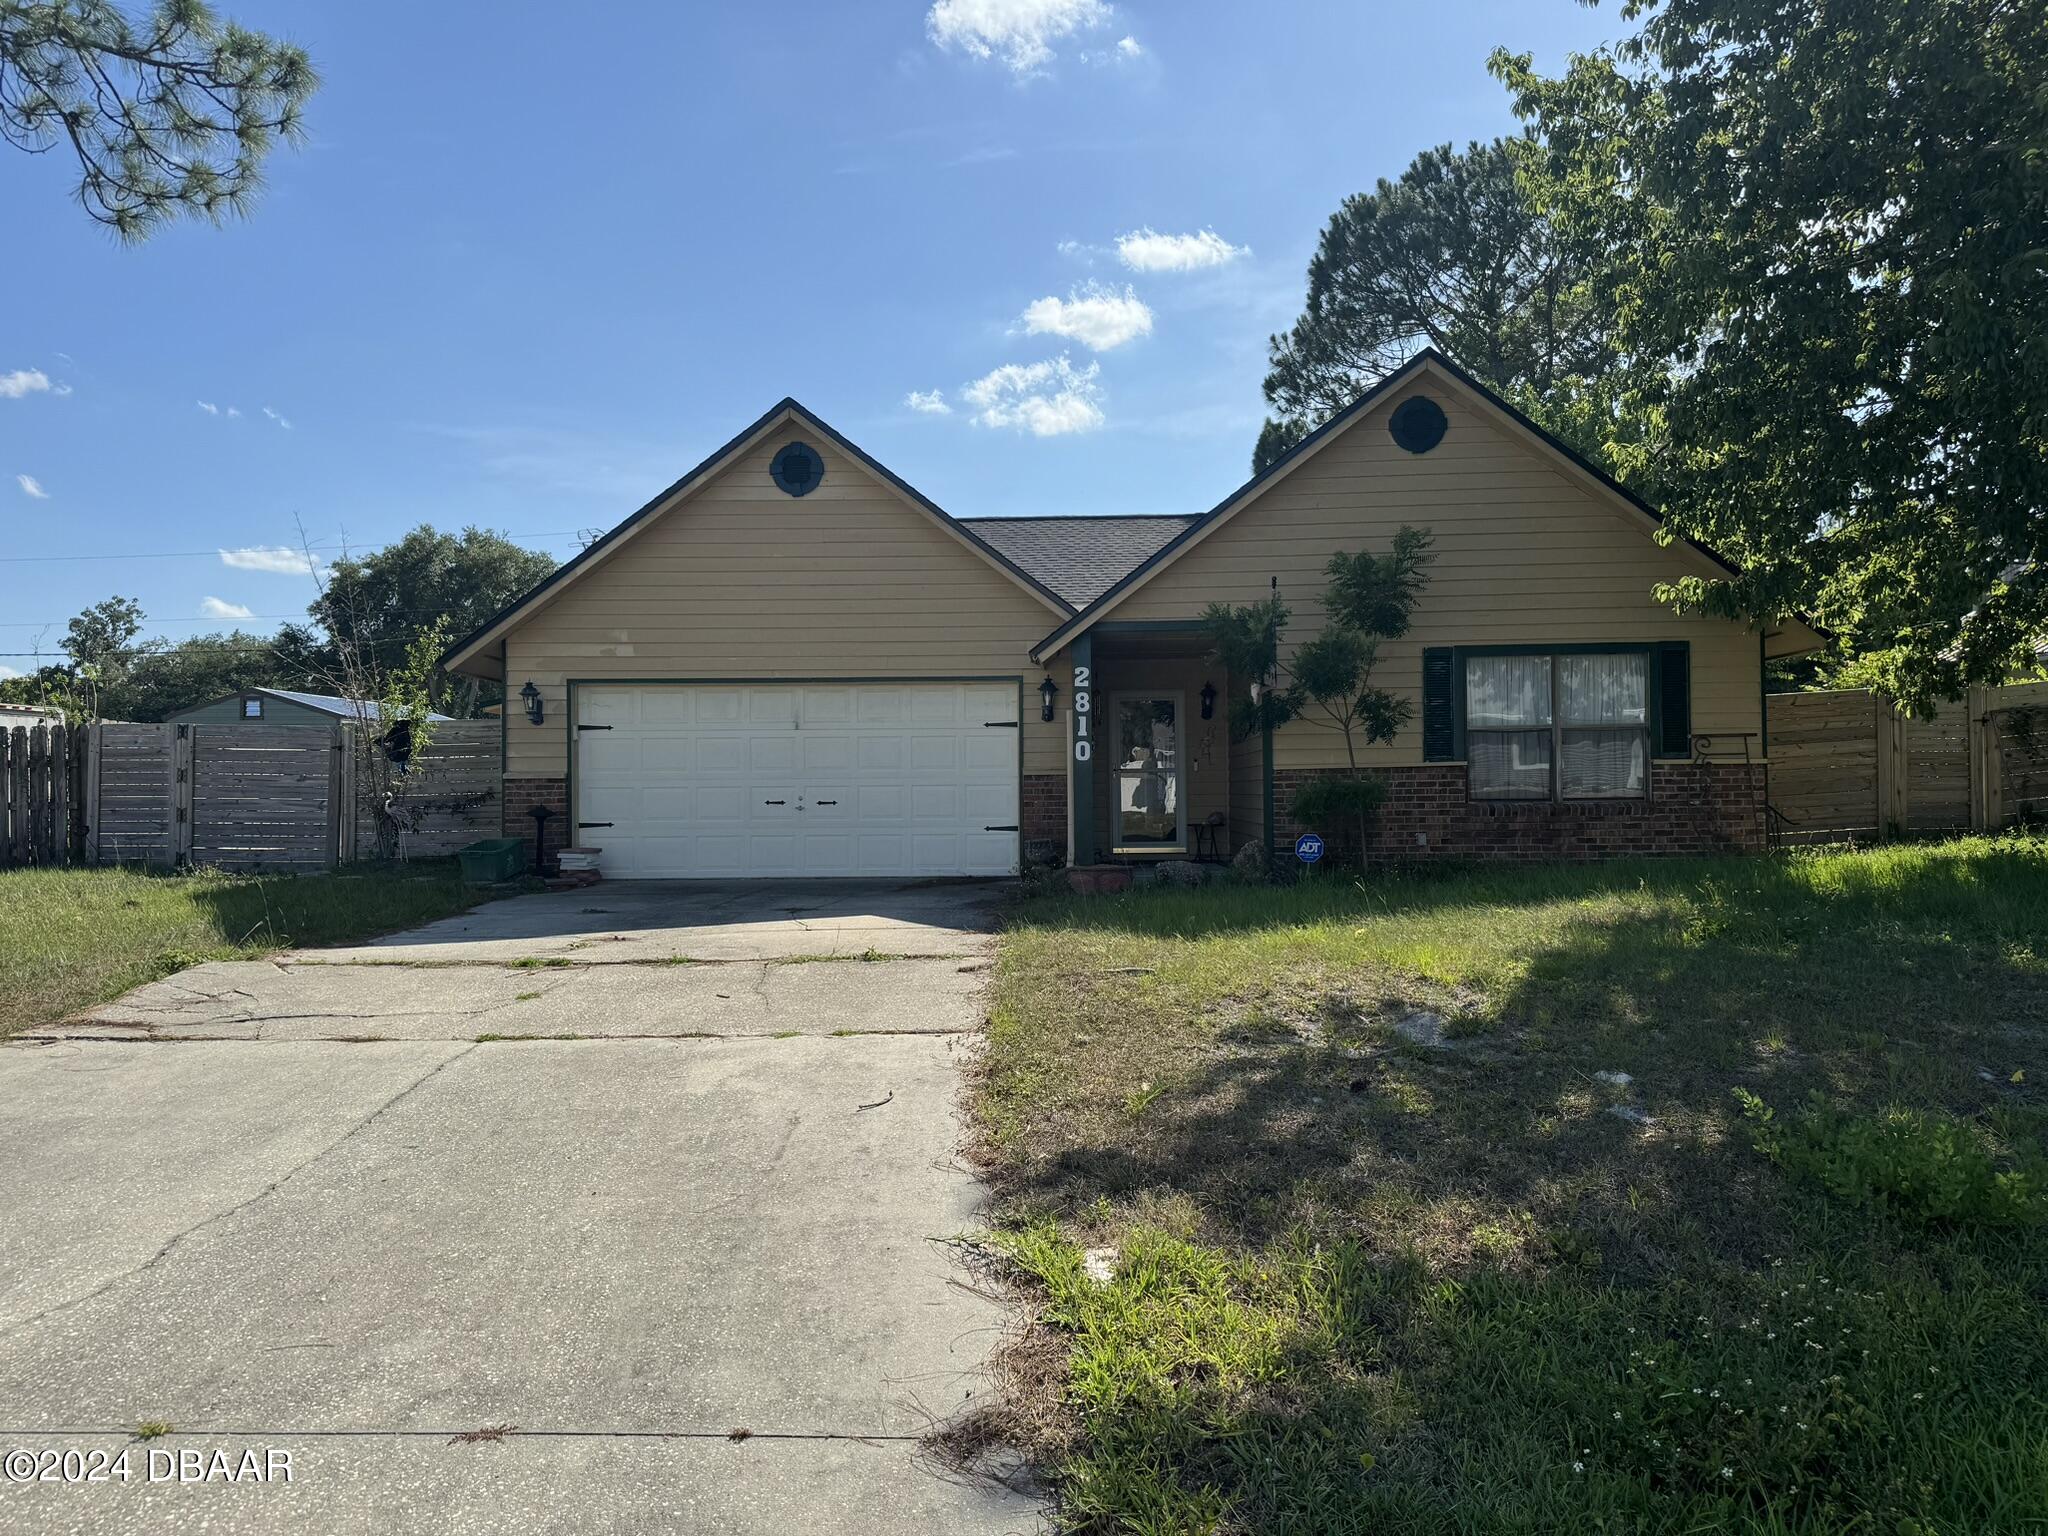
x=1367 y=1281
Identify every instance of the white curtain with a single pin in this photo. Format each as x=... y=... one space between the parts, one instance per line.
x=1614 y=692
x=1604 y=690
x=1506 y=691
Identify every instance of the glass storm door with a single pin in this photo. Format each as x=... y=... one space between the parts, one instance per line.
x=1148 y=775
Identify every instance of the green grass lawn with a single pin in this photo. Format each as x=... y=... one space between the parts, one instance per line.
x=1790 y=1277
x=70 y=938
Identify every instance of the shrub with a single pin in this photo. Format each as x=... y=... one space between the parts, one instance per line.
x=1330 y=802
x=1926 y=1167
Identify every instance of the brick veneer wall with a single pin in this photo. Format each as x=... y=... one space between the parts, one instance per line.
x=1043 y=820
x=521 y=796
x=1692 y=808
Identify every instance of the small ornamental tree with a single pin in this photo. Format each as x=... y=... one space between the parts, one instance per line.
x=1327 y=681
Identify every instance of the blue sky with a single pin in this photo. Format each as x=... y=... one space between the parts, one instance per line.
x=535 y=260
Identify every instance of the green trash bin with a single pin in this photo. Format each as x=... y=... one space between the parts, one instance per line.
x=493 y=859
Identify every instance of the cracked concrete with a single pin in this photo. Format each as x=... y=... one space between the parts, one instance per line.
x=345 y=1228
x=259 y=1000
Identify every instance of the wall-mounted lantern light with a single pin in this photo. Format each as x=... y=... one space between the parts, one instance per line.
x=1208 y=701
x=530 y=696
x=1047 y=692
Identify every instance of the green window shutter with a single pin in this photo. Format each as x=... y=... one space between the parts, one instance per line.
x=1671 y=680
x=1439 y=704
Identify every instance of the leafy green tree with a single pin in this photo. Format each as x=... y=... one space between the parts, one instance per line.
x=167 y=115
x=1453 y=255
x=1327 y=680
x=1828 y=224
x=163 y=678
x=378 y=603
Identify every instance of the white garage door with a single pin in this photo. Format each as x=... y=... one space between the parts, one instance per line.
x=716 y=781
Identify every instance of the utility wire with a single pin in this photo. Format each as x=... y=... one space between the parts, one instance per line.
x=215 y=554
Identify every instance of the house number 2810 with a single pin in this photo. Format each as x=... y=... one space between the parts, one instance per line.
x=1084 y=704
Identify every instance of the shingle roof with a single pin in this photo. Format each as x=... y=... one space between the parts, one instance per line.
x=1079 y=558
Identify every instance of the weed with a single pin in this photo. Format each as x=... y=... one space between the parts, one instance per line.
x=153 y=1429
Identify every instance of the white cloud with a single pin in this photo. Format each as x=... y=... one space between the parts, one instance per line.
x=273 y=416
x=23 y=381
x=932 y=402
x=278 y=559
x=1129 y=47
x=31 y=486
x=1020 y=32
x=6 y=672
x=220 y=608
x=1145 y=250
x=233 y=411
x=209 y=407
x=1045 y=399
x=60 y=390
x=1099 y=318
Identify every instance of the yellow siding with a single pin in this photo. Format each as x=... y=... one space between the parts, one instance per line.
x=742 y=581
x=1524 y=555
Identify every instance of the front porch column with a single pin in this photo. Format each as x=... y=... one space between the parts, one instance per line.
x=1081 y=746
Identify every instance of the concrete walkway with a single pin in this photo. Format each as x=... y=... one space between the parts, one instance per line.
x=683 y=1225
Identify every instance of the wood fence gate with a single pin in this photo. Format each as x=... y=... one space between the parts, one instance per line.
x=1844 y=763
x=260 y=797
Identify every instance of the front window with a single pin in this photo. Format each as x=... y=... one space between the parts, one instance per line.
x=1571 y=726
x=1148 y=797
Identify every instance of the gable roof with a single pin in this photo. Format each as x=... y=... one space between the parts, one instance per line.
x=1080 y=558
x=786 y=409
x=1430 y=361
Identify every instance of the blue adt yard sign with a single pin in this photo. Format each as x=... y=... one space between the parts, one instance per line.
x=1308 y=847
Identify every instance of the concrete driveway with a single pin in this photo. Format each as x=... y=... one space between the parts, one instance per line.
x=660 y=1175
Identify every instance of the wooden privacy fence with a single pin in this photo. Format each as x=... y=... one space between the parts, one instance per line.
x=1846 y=764
x=242 y=797
x=448 y=798
x=42 y=795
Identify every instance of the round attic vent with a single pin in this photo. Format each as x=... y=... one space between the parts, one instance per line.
x=798 y=469
x=1417 y=424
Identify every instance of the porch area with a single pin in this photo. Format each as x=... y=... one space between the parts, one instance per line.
x=1152 y=773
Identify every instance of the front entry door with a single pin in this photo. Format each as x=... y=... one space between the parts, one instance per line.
x=1151 y=813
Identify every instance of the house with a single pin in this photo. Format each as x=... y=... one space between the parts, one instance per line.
x=29 y=716
x=792 y=663
x=276 y=706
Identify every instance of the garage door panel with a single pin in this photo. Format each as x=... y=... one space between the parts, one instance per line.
x=884 y=802
x=722 y=781
x=608 y=754
x=666 y=754
x=721 y=754
x=826 y=708
x=607 y=706
x=988 y=804
x=988 y=701
x=824 y=753
x=666 y=706
x=992 y=751
x=716 y=803
x=934 y=802
x=879 y=752
x=882 y=706
x=772 y=706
